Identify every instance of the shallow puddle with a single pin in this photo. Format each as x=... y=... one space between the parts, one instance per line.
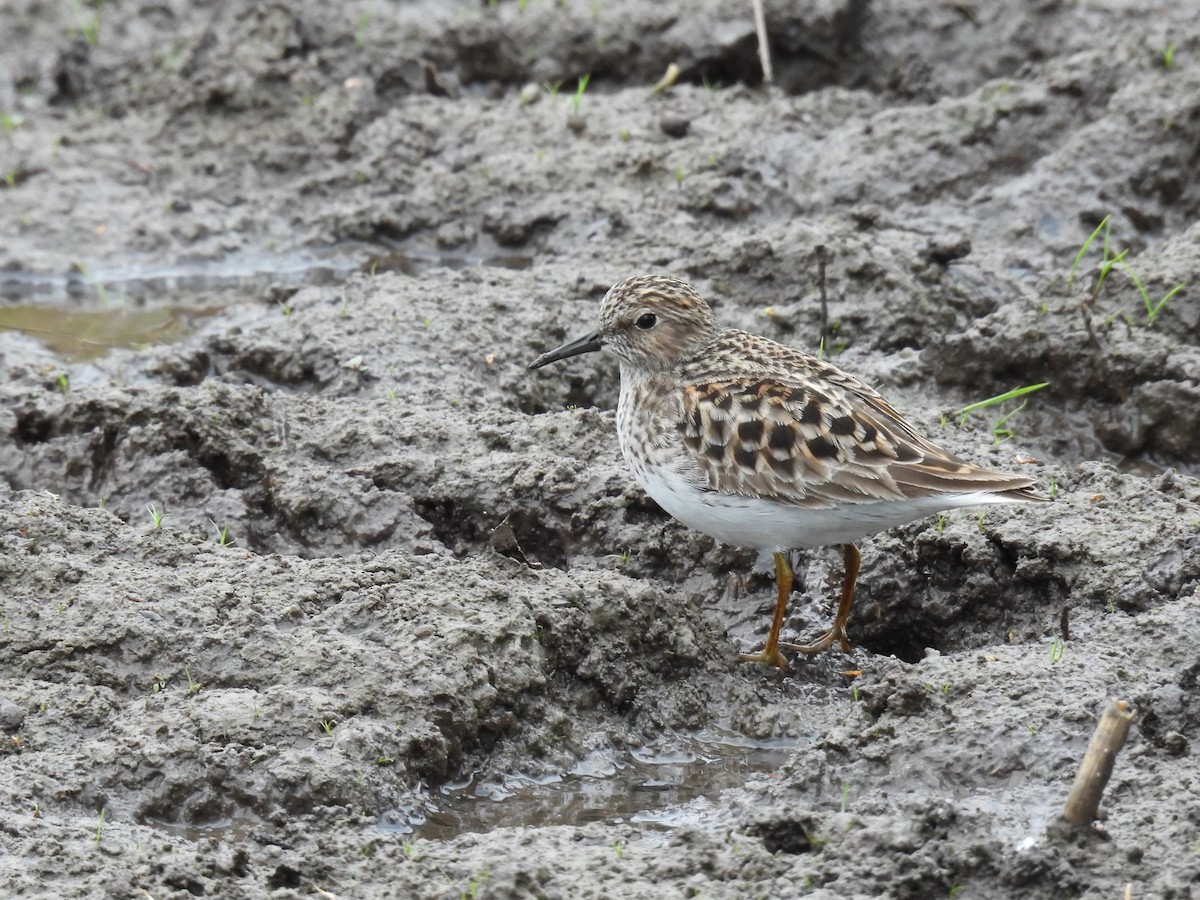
x=238 y=827
x=86 y=313
x=661 y=787
x=86 y=334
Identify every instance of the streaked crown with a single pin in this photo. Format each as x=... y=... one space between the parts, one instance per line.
x=653 y=322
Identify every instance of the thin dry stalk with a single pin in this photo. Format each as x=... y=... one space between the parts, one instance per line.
x=822 y=255
x=764 y=49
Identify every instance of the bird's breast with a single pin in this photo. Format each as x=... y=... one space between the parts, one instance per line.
x=648 y=415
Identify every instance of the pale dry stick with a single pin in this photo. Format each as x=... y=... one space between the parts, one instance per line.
x=667 y=80
x=1107 y=740
x=764 y=49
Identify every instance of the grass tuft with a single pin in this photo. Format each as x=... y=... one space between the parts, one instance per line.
x=1110 y=261
x=1168 y=55
x=579 y=90
x=1000 y=430
x=1152 y=309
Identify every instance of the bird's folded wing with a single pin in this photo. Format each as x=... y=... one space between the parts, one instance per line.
x=819 y=444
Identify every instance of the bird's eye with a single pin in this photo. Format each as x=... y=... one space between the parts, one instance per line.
x=646 y=321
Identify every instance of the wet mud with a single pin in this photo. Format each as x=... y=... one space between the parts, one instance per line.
x=309 y=587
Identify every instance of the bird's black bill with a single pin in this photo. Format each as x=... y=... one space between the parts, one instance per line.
x=587 y=344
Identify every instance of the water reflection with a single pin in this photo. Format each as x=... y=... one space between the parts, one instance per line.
x=662 y=786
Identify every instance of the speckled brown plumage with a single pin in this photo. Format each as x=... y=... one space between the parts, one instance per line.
x=760 y=445
x=794 y=429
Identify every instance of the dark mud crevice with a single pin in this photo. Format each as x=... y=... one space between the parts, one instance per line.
x=457 y=525
x=808 y=55
x=784 y=834
x=33 y=427
x=269 y=369
x=568 y=391
x=102 y=455
x=530 y=536
x=972 y=591
x=539 y=541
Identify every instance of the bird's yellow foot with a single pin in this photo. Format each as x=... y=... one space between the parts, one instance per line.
x=768 y=657
x=824 y=642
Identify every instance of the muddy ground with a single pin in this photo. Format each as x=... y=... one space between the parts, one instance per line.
x=309 y=588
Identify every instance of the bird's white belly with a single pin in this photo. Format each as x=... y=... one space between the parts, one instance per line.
x=765 y=525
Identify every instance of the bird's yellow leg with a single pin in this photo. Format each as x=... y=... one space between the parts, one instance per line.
x=852 y=560
x=783 y=583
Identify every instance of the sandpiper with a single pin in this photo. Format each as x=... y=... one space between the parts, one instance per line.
x=760 y=445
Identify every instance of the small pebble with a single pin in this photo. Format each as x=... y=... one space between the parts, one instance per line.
x=12 y=716
x=675 y=126
x=530 y=94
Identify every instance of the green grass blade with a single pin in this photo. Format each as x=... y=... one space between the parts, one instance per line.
x=1137 y=283
x=578 y=98
x=1000 y=398
x=1088 y=243
x=1153 y=313
x=1107 y=266
x=1000 y=430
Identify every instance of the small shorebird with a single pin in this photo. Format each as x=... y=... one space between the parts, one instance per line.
x=759 y=445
